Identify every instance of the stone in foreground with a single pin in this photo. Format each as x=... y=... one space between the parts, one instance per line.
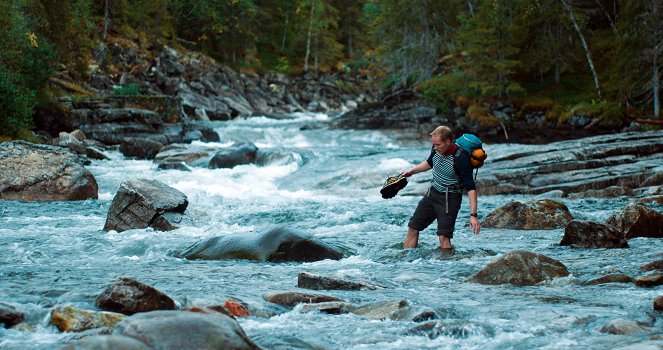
x=520 y=268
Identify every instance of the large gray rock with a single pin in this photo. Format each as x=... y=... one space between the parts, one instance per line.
x=33 y=172
x=542 y=214
x=106 y=342
x=142 y=203
x=636 y=220
x=588 y=234
x=127 y=296
x=163 y=330
x=290 y=299
x=276 y=245
x=520 y=268
x=317 y=282
x=237 y=154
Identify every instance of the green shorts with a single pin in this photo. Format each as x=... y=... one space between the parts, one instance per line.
x=434 y=206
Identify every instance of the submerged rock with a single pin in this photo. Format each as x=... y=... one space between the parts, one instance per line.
x=654 y=265
x=381 y=310
x=658 y=303
x=330 y=307
x=9 y=315
x=185 y=330
x=142 y=203
x=31 y=172
x=620 y=326
x=520 y=268
x=311 y=281
x=588 y=234
x=276 y=245
x=652 y=279
x=128 y=296
x=290 y=299
x=542 y=214
x=611 y=278
x=636 y=220
x=107 y=342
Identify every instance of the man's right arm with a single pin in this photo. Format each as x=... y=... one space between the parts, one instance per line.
x=423 y=166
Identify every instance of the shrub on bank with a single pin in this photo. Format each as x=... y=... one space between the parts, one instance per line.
x=16 y=104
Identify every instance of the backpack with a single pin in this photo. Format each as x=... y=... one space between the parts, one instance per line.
x=472 y=145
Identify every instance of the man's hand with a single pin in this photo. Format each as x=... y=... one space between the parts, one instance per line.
x=407 y=173
x=474 y=224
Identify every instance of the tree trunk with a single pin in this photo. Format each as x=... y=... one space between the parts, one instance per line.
x=106 y=20
x=405 y=68
x=656 y=85
x=607 y=16
x=308 y=38
x=285 y=32
x=588 y=54
x=315 y=53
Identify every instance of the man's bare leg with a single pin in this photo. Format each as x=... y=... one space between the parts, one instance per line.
x=445 y=243
x=411 y=238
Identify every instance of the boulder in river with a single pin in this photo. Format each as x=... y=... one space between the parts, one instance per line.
x=128 y=296
x=520 y=268
x=290 y=299
x=70 y=319
x=311 y=281
x=588 y=234
x=658 y=303
x=185 y=330
x=142 y=203
x=32 y=172
x=237 y=154
x=654 y=265
x=652 y=279
x=636 y=220
x=611 y=278
x=9 y=315
x=275 y=245
x=107 y=342
x=542 y=214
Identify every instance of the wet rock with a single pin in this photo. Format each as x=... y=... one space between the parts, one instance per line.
x=236 y=308
x=611 y=278
x=77 y=143
x=128 y=296
x=658 y=303
x=610 y=192
x=275 y=245
x=637 y=221
x=181 y=166
x=237 y=154
x=9 y=315
x=654 y=180
x=380 y=310
x=542 y=214
x=140 y=148
x=620 y=326
x=331 y=307
x=106 y=342
x=317 y=282
x=651 y=199
x=654 y=265
x=285 y=342
x=652 y=279
x=588 y=234
x=520 y=268
x=70 y=319
x=170 y=154
x=290 y=299
x=33 y=172
x=457 y=329
x=142 y=203
x=414 y=314
x=185 y=330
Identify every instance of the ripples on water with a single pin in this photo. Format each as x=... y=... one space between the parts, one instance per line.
x=55 y=253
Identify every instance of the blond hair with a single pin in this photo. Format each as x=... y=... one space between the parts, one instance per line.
x=444 y=132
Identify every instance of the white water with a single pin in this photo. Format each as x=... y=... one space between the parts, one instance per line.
x=327 y=185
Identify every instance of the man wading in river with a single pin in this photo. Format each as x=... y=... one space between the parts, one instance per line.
x=443 y=198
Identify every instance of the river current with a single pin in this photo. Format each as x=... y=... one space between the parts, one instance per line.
x=324 y=182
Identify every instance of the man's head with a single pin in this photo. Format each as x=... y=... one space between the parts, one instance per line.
x=442 y=138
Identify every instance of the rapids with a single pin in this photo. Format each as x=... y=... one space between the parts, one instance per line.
x=325 y=182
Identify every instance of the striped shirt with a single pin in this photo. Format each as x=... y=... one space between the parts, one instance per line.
x=444 y=174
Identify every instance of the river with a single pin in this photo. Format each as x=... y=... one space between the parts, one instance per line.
x=325 y=182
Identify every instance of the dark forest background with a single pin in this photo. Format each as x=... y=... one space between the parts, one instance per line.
x=600 y=55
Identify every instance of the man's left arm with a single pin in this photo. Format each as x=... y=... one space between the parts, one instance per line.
x=474 y=220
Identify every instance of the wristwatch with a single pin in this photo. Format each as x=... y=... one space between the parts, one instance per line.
x=475 y=215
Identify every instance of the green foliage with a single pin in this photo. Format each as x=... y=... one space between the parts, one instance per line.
x=129 y=90
x=442 y=90
x=16 y=104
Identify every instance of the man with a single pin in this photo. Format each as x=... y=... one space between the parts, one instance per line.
x=443 y=198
